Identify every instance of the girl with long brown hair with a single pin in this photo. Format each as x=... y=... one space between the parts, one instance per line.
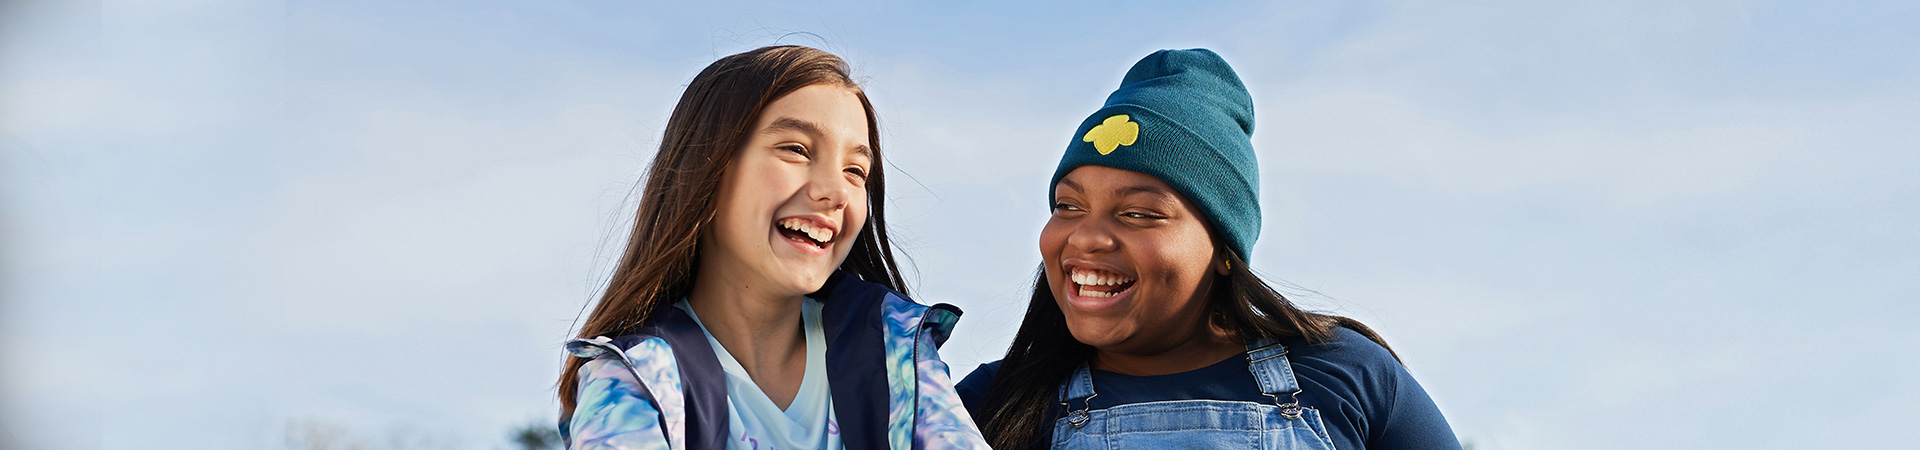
x=757 y=304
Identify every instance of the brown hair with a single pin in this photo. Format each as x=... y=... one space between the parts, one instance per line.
x=1044 y=352
x=709 y=125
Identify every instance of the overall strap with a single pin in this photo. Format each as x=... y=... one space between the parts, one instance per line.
x=1268 y=362
x=1078 y=391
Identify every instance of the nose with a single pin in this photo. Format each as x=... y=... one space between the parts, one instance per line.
x=1092 y=236
x=829 y=189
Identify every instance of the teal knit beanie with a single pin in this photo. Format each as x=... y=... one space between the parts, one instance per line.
x=1181 y=116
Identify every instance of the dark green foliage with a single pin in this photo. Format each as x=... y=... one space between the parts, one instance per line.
x=536 y=436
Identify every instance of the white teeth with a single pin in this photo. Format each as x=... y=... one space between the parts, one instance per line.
x=1084 y=292
x=1096 y=278
x=821 y=235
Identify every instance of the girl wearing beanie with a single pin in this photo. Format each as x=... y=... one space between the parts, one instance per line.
x=758 y=305
x=1147 y=329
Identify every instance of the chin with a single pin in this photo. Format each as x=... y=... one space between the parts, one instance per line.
x=1097 y=335
x=816 y=280
x=807 y=283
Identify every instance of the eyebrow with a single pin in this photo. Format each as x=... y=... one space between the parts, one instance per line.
x=808 y=128
x=1140 y=189
x=1121 y=191
x=792 y=124
x=1069 y=183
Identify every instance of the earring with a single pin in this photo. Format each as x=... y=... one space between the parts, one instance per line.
x=1229 y=263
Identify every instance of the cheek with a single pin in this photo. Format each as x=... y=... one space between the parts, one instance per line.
x=748 y=195
x=854 y=222
x=775 y=180
x=1179 y=271
x=1053 y=238
x=734 y=198
x=764 y=175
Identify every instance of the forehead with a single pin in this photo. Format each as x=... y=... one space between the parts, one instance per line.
x=1100 y=180
x=831 y=115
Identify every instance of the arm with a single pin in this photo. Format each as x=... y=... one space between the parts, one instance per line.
x=1413 y=420
x=943 y=419
x=613 y=411
x=1389 y=409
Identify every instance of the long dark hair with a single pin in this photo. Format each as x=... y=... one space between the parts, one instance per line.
x=709 y=125
x=1044 y=353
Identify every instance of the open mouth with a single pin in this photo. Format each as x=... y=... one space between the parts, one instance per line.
x=805 y=232
x=1099 y=283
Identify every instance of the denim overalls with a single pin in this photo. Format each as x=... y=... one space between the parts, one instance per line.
x=1196 y=423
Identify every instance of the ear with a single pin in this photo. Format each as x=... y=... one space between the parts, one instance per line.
x=1222 y=262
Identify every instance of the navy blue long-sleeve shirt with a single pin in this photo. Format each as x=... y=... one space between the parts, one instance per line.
x=1366 y=399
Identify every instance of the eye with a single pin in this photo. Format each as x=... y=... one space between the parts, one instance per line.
x=858 y=172
x=1063 y=207
x=1141 y=215
x=795 y=148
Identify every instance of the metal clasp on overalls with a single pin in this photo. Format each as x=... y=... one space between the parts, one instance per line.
x=1081 y=416
x=1289 y=410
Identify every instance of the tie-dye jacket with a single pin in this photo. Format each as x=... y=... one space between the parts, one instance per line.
x=663 y=388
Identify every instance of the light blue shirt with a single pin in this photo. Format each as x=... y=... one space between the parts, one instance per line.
x=754 y=421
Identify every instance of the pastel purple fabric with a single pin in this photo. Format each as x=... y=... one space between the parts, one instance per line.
x=614 y=410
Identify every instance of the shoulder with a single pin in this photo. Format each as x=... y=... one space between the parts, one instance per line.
x=1347 y=340
x=603 y=347
x=626 y=365
x=605 y=380
x=973 y=388
x=613 y=409
x=981 y=376
x=987 y=370
x=849 y=301
x=1348 y=371
x=638 y=366
x=1350 y=357
x=1363 y=391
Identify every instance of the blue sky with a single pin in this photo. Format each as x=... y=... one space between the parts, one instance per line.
x=1585 y=225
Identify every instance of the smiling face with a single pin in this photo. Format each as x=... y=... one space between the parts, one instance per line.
x=1129 y=261
x=794 y=197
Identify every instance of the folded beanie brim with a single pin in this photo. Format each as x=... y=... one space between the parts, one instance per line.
x=1188 y=121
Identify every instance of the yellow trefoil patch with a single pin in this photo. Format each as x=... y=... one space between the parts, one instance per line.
x=1112 y=133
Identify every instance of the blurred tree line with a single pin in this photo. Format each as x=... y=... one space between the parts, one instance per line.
x=321 y=435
